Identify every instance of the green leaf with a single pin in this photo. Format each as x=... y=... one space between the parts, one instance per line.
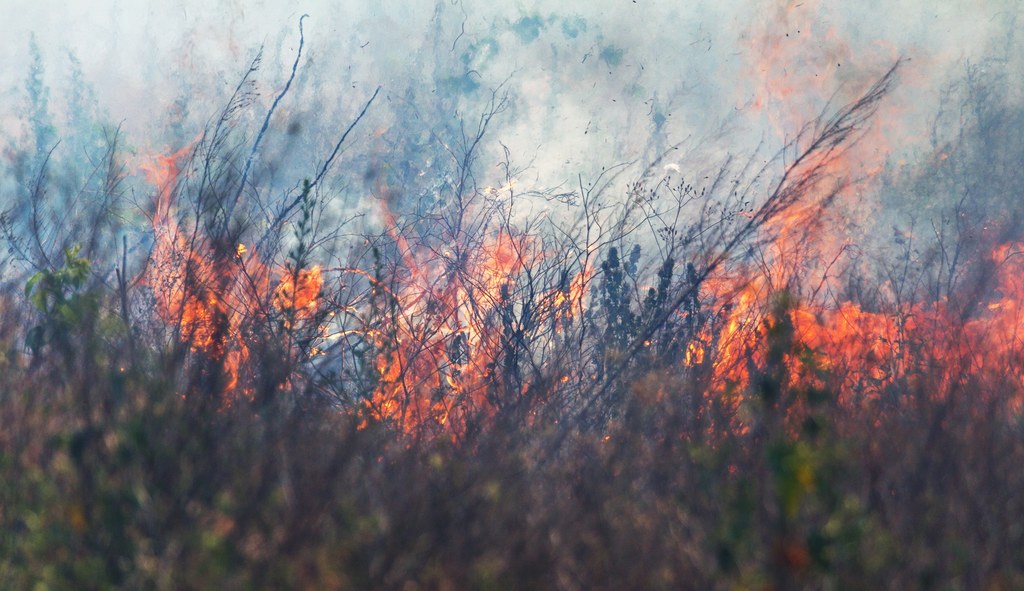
x=31 y=284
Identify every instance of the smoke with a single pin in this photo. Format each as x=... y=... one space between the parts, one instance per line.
x=583 y=87
x=592 y=82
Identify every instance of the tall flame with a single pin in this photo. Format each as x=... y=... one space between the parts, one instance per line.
x=206 y=296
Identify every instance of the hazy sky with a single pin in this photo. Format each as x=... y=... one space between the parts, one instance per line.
x=591 y=79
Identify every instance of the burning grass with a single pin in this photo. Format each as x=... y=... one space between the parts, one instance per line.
x=473 y=398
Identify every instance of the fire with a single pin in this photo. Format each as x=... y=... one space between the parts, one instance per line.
x=444 y=353
x=298 y=294
x=865 y=354
x=162 y=172
x=695 y=353
x=800 y=62
x=208 y=298
x=439 y=357
x=445 y=347
x=568 y=300
x=456 y=308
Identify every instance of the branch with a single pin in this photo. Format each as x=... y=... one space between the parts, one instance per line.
x=281 y=215
x=794 y=184
x=266 y=122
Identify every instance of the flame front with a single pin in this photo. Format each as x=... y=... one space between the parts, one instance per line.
x=871 y=356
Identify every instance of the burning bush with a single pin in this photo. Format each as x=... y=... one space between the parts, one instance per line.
x=658 y=389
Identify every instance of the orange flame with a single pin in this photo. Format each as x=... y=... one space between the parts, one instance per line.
x=455 y=303
x=298 y=294
x=208 y=298
x=866 y=353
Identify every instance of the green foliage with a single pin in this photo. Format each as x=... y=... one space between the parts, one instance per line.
x=58 y=295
